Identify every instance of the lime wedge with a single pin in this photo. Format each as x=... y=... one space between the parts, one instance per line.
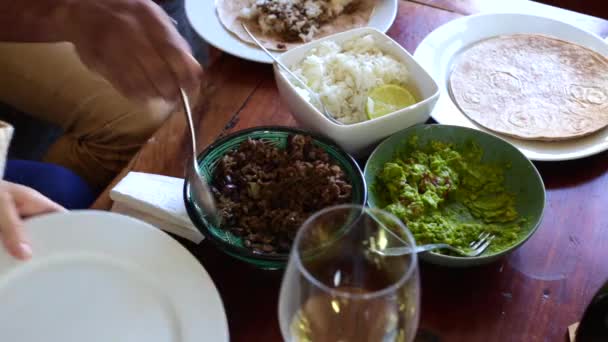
x=387 y=99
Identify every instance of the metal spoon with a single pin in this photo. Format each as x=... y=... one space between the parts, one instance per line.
x=315 y=96
x=198 y=184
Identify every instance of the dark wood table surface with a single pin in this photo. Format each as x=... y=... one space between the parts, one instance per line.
x=532 y=295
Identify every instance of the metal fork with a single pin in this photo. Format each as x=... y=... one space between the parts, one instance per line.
x=477 y=247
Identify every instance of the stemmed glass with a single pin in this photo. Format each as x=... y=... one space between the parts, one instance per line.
x=337 y=288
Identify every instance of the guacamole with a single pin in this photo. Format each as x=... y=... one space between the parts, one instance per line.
x=449 y=196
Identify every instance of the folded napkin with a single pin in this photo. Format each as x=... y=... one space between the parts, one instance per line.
x=157 y=200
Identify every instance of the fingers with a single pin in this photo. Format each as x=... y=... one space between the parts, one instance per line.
x=124 y=70
x=17 y=201
x=131 y=83
x=185 y=69
x=134 y=83
x=30 y=202
x=11 y=226
x=158 y=74
x=136 y=48
x=174 y=50
x=157 y=69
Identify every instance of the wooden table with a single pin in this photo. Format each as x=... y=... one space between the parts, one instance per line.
x=533 y=295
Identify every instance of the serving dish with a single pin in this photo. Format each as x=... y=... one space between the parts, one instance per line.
x=359 y=138
x=441 y=48
x=521 y=178
x=203 y=17
x=208 y=160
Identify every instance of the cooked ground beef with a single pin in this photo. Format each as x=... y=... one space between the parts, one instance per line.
x=265 y=193
x=296 y=20
x=291 y=19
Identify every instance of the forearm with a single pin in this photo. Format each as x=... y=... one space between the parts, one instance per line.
x=33 y=20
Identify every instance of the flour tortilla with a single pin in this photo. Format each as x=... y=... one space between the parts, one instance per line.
x=228 y=12
x=532 y=87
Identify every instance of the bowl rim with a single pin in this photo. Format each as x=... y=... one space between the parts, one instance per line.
x=243 y=252
x=473 y=260
x=353 y=33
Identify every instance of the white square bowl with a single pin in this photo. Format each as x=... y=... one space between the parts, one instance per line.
x=359 y=138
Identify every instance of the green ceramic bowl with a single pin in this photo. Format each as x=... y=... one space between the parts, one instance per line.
x=521 y=178
x=208 y=160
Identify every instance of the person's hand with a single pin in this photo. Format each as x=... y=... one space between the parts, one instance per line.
x=133 y=44
x=17 y=202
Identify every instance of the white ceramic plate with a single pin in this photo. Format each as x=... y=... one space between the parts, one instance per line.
x=440 y=49
x=99 y=277
x=204 y=20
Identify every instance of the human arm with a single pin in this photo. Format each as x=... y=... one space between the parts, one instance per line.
x=131 y=43
x=17 y=202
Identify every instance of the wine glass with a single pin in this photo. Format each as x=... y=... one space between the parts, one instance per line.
x=338 y=288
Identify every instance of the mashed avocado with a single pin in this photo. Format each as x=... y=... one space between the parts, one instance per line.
x=449 y=196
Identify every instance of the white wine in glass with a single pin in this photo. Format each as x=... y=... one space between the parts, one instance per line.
x=338 y=288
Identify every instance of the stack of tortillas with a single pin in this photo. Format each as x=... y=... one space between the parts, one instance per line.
x=532 y=87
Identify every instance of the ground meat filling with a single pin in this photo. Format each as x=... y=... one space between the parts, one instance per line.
x=295 y=20
x=265 y=193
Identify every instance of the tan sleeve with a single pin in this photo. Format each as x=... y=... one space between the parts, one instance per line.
x=6 y=133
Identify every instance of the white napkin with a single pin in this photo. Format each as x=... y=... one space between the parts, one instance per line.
x=157 y=200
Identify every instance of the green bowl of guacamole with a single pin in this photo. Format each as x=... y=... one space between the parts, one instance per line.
x=448 y=184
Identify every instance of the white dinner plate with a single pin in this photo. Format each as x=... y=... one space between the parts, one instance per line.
x=438 y=51
x=100 y=277
x=204 y=20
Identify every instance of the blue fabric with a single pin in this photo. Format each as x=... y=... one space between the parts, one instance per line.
x=55 y=182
